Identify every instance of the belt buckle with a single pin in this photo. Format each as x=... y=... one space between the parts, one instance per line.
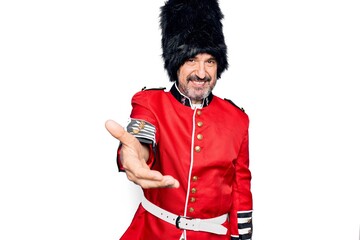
x=177 y=221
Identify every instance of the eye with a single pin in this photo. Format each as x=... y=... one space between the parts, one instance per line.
x=190 y=61
x=211 y=62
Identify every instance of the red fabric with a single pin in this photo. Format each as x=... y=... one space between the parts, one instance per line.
x=221 y=166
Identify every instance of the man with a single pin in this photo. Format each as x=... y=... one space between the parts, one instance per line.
x=186 y=148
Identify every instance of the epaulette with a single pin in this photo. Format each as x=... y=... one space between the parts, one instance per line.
x=242 y=109
x=159 y=88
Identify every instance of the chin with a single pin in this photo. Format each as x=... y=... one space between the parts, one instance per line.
x=201 y=96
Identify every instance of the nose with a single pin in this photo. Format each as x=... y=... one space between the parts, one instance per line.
x=200 y=71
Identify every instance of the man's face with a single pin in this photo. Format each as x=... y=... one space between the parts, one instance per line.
x=197 y=77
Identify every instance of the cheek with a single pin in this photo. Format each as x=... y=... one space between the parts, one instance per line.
x=213 y=74
x=184 y=73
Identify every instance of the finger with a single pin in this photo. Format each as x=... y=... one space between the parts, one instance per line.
x=166 y=182
x=144 y=173
x=170 y=182
x=147 y=178
x=115 y=129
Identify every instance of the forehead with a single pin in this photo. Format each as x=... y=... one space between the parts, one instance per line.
x=203 y=56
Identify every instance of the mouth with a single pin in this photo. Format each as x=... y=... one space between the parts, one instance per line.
x=198 y=83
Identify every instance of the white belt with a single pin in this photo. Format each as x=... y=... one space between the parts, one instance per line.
x=212 y=225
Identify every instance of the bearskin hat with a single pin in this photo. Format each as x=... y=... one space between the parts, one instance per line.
x=190 y=27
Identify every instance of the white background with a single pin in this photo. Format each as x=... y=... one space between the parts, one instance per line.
x=68 y=66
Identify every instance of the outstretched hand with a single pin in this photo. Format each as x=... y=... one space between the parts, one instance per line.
x=133 y=158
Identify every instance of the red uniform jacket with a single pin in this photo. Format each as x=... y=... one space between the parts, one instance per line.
x=206 y=150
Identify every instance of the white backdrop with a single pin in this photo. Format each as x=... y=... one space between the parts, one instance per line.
x=68 y=66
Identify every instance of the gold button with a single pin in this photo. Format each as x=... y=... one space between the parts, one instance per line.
x=194 y=178
x=198 y=112
x=200 y=124
x=249 y=220
x=193 y=190
x=199 y=136
x=191 y=209
x=142 y=125
x=197 y=148
x=136 y=131
x=192 y=199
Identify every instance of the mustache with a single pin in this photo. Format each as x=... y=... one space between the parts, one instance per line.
x=193 y=77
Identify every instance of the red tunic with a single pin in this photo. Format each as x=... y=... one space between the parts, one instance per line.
x=206 y=150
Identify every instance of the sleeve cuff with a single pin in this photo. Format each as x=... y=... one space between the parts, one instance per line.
x=145 y=133
x=245 y=225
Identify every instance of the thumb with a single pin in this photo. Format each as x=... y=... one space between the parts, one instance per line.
x=115 y=129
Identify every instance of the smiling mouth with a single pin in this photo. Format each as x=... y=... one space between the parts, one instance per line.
x=201 y=81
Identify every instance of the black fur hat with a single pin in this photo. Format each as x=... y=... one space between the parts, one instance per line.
x=190 y=27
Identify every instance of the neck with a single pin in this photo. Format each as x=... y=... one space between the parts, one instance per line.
x=185 y=100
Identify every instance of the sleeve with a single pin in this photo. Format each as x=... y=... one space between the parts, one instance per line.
x=241 y=212
x=142 y=125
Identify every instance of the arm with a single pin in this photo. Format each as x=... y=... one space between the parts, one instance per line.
x=241 y=213
x=134 y=157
